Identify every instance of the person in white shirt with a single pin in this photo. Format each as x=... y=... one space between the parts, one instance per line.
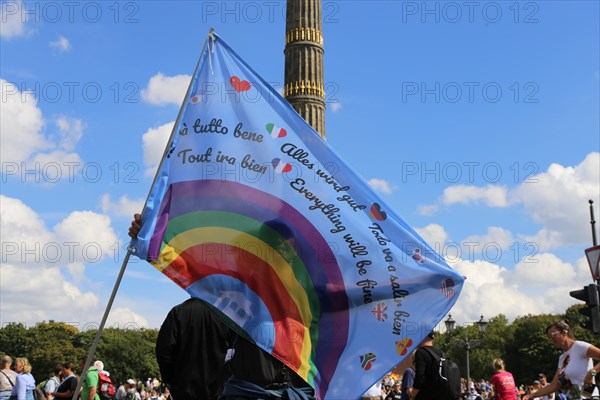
x=53 y=383
x=576 y=369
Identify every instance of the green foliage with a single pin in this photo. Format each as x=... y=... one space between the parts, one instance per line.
x=483 y=348
x=126 y=353
x=576 y=320
x=530 y=352
x=14 y=340
x=53 y=344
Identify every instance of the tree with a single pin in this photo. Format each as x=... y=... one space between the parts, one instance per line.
x=53 y=344
x=529 y=351
x=14 y=340
x=576 y=319
x=481 y=352
x=126 y=353
x=498 y=335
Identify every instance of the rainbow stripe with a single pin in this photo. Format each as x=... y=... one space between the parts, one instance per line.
x=211 y=229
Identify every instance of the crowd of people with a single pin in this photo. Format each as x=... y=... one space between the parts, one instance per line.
x=574 y=378
x=394 y=387
x=151 y=389
x=17 y=383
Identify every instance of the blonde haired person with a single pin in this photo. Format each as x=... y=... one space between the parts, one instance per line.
x=575 y=366
x=503 y=382
x=25 y=384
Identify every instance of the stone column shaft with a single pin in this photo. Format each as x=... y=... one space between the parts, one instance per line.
x=304 y=85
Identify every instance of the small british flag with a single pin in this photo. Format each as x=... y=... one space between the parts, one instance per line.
x=379 y=311
x=447 y=288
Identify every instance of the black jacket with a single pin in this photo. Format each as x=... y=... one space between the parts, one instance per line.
x=425 y=371
x=190 y=350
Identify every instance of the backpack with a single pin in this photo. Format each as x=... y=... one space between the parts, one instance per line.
x=130 y=395
x=39 y=394
x=106 y=390
x=42 y=385
x=447 y=376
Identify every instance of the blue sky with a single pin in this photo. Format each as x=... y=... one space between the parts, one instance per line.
x=477 y=121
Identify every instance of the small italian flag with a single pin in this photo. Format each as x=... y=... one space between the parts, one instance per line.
x=275 y=131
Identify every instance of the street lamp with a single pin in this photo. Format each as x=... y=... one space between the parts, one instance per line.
x=467 y=344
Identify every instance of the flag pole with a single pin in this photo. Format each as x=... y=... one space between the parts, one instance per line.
x=176 y=124
x=90 y=355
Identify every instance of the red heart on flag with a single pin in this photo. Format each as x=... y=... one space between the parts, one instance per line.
x=239 y=85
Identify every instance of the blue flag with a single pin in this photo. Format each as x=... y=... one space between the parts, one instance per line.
x=254 y=213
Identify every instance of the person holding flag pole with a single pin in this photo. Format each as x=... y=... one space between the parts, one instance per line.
x=191 y=351
x=263 y=359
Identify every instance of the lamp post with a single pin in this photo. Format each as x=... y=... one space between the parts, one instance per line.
x=467 y=344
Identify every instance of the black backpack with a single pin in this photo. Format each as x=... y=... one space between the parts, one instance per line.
x=446 y=378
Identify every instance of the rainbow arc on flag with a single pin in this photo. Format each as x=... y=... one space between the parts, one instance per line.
x=254 y=213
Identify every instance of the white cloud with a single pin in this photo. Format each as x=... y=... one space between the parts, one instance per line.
x=498 y=236
x=26 y=147
x=30 y=250
x=71 y=131
x=486 y=291
x=19 y=224
x=13 y=19
x=427 y=209
x=43 y=295
x=381 y=185
x=124 y=207
x=91 y=233
x=34 y=283
x=163 y=90
x=21 y=125
x=545 y=269
x=81 y=236
x=558 y=200
x=62 y=44
x=491 y=195
x=335 y=107
x=154 y=142
x=433 y=234
x=125 y=318
x=77 y=271
x=55 y=166
x=539 y=285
